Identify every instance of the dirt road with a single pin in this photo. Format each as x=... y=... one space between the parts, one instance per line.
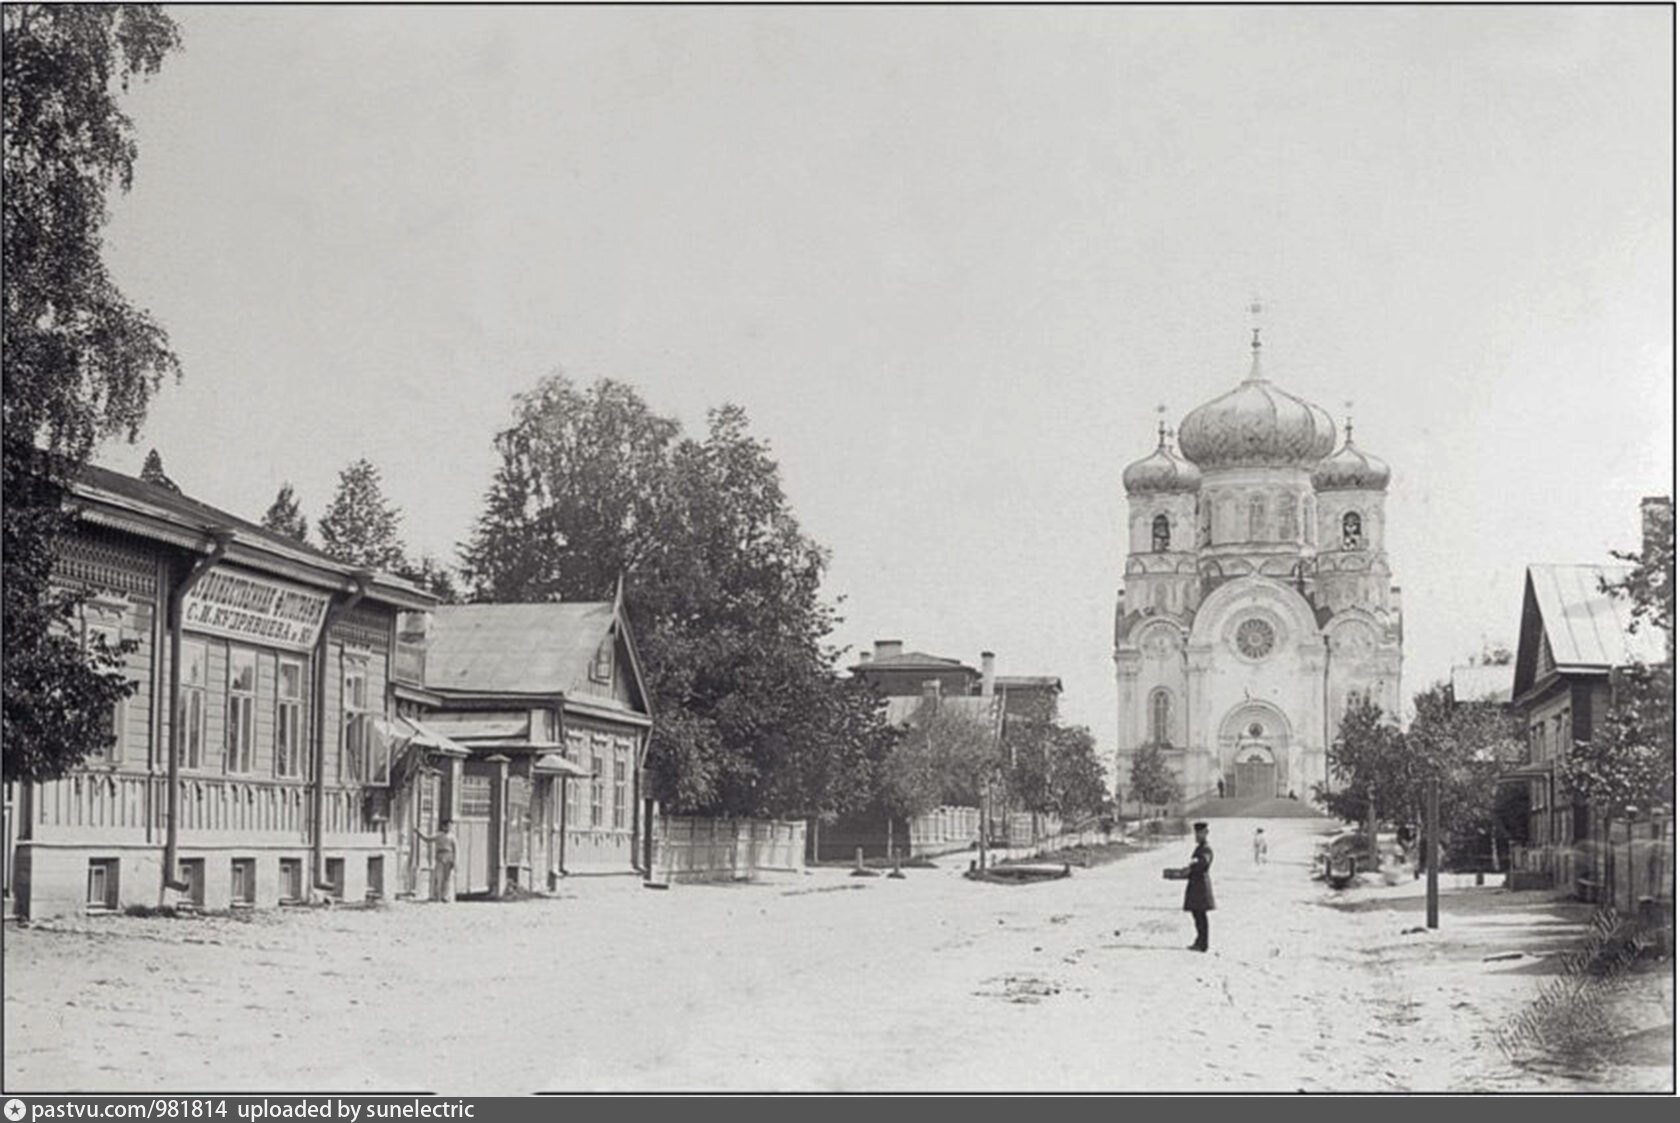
x=824 y=983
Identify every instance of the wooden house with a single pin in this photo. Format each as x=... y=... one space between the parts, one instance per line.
x=249 y=766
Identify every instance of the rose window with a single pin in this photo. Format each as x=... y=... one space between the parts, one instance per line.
x=1255 y=638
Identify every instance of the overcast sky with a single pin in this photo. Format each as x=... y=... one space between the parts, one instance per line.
x=948 y=259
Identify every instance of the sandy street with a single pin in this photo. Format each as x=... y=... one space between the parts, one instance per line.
x=824 y=983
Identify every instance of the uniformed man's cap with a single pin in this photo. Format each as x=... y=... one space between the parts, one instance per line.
x=1201 y=826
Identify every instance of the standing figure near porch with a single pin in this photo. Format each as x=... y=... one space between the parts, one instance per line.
x=443 y=860
x=1198 y=888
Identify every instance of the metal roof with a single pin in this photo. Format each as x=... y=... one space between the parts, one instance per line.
x=1586 y=626
x=515 y=648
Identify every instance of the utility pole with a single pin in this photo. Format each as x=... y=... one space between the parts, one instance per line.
x=1432 y=839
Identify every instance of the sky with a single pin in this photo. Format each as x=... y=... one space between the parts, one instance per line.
x=949 y=260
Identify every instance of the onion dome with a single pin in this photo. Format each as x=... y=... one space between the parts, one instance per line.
x=1350 y=469
x=1257 y=425
x=1162 y=471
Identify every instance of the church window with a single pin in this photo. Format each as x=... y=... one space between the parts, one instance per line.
x=1257 y=518
x=1353 y=531
x=1160 y=535
x=1286 y=519
x=1255 y=638
x=1207 y=524
x=1160 y=713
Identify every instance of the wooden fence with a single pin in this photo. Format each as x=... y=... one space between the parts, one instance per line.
x=692 y=849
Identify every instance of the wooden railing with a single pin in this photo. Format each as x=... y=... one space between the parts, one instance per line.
x=115 y=804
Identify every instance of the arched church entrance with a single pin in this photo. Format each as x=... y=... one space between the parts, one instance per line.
x=1256 y=770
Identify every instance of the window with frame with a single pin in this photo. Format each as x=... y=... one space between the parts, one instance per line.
x=475 y=797
x=102 y=883
x=1256 y=518
x=597 y=788
x=110 y=753
x=289 y=756
x=574 y=784
x=1160 y=714
x=1160 y=535
x=190 y=713
x=601 y=669
x=365 y=759
x=619 y=790
x=291 y=879
x=241 y=709
x=244 y=888
x=1353 y=531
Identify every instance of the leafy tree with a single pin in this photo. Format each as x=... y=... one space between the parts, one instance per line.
x=1382 y=775
x=152 y=472
x=1077 y=785
x=81 y=364
x=360 y=527
x=1153 y=781
x=946 y=755
x=1372 y=774
x=284 y=516
x=1630 y=762
x=722 y=591
x=1052 y=767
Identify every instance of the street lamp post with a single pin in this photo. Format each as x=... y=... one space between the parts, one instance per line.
x=1432 y=835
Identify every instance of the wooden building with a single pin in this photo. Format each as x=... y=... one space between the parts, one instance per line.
x=549 y=702
x=1574 y=638
x=251 y=765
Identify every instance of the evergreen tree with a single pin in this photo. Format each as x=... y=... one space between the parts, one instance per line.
x=284 y=516
x=359 y=526
x=152 y=472
x=81 y=364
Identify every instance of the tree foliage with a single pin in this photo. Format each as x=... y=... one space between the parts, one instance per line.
x=1053 y=768
x=359 y=526
x=1153 y=781
x=1383 y=774
x=945 y=755
x=1629 y=763
x=284 y=516
x=81 y=364
x=722 y=590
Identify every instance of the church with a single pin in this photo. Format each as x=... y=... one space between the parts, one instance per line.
x=1257 y=596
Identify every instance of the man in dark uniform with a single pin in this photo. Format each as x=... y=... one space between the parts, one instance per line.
x=1198 y=887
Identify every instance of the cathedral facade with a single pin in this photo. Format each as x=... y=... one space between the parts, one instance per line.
x=1257 y=597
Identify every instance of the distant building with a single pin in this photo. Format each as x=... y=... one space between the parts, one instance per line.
x=1258 y=598
x=1574 y=638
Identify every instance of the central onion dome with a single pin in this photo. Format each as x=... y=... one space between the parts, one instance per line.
x=1161 y=472
x=1350 y=469
x=1257 y=425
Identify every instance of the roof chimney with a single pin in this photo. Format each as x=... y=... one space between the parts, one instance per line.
x=863 y=658
x=889 y=648
x=988 y=673
x=1654 y=510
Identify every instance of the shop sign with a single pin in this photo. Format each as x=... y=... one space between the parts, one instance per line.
x=251 y=609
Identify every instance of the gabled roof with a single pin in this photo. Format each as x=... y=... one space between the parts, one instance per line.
x=1566 y=610
x=106 y=498
x=524 y=648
